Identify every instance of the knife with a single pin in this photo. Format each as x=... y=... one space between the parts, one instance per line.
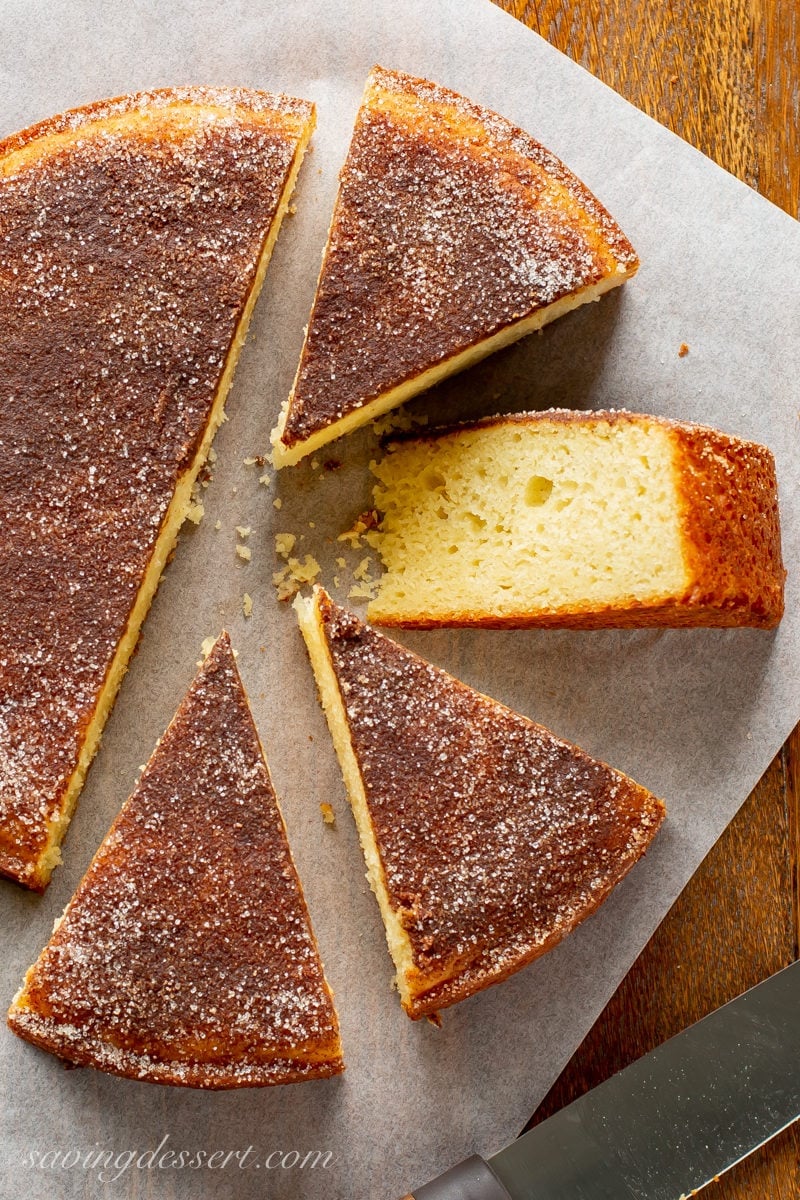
x=668 y=1124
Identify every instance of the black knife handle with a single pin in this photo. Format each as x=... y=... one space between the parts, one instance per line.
x=472 y=1179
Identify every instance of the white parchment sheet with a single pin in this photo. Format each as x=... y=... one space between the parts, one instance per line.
x=694 y=715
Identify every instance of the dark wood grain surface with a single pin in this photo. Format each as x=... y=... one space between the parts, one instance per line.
x=724 y=75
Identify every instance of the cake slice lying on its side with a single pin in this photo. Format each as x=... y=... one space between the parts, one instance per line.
x=186 y=956
x=454 y=233
x=134 y=237
x=487 y=839
x=577 y=519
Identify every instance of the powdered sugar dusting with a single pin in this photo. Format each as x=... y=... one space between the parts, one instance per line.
x=186 y=955
x=496 y=837
x=126 y=255
x=450 y=225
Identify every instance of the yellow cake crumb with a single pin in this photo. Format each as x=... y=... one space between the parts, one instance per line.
x=247 y=604
x=264 y=480
x=195 y=513
x=328 y=815
x=277 y=502
x=364 y=591
x=218 y=524
x=244 y=553
x=206 y=646
x=365 y=521
x=284 y=544
x=398 y=421
x=244 y=531
x=291 y=578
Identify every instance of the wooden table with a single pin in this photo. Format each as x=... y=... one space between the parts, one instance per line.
x=725 y=75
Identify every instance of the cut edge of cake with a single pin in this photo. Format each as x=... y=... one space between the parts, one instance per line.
x=288 y=456
x=38 y=876
x=309 y=619
x=289 y=453
x=321 y=1062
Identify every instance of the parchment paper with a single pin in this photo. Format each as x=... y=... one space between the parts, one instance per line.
x=695 y=715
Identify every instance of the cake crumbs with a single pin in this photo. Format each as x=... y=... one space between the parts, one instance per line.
x=218 y=524
x=364 y=591
x=291 y=578
x=284 y=544
x=365 y=587
x=328 y=815
x=212 y=455
x=206 y=646
x=365 y=521
x=244 y=531
x=247 y=604
x=277 y=502
x=265 y=480
x=683 y=350
x=244 y=552
x=399 y=420
x=195 y=512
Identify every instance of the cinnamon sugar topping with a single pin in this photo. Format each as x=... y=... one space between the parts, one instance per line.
x=129 y=237
x=495 y=837
x=450 y=224
x=186 y=955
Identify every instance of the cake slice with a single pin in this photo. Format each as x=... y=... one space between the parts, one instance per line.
x=578 y=519
x=487 y=839
x=186 y=956
x=454 y=233
x=134 y=237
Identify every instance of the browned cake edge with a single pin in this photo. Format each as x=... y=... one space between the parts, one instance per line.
x=731 y=533
x=36 y=874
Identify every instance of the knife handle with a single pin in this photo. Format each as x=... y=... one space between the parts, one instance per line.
x=472 y=1179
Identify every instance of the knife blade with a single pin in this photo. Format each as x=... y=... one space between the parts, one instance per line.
x=668 y=1124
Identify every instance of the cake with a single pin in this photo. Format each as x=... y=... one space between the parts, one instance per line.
x=134 y=237
x=186 y=955
x=577 y=519
x=454 y=233
x=487 y=839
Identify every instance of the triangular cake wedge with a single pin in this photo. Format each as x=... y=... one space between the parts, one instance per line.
x=582 y=520
x=454 y=233
x=186 y=955
x=487 y=839
x=134 y=237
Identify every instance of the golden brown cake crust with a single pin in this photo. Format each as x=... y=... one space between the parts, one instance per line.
x=450 y=224
x=731 y=531
x=496 y=838
x=186 y=955
x=130 y=231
